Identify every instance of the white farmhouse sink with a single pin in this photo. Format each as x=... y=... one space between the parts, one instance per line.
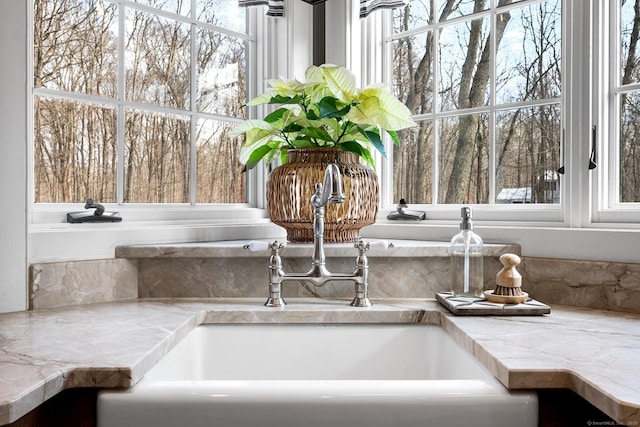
x=314 y=375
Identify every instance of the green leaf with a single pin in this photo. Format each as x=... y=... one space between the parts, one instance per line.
x=332 y=126
x=331 y=108
x=257 y=155
x=293 y=127
x=373 y=136
x=249 y=147
x=318 y=133
x=276 y=115
x=354 y=147
x=311 y=114
x=303 y=142
x=280 y=99
x=394 y=136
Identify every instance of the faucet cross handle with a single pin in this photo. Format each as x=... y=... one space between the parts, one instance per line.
x=275 y=246
x=360 y=245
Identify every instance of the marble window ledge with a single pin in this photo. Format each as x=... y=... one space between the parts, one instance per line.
x=235 y=249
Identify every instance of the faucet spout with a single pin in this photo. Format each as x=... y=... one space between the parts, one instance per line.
x=330 y=191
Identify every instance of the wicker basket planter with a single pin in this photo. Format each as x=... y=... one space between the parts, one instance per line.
x=290 y=187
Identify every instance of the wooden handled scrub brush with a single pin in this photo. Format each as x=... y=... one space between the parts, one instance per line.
x=508 y=283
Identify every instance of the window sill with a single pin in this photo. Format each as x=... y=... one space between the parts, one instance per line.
x=56 y=240
x=48 y=214
x=59 y=241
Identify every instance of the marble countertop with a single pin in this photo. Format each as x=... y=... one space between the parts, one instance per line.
x=595 y=353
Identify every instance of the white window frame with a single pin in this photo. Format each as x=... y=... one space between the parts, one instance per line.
x=520 y=215
x=46 y=213
x=606 y=208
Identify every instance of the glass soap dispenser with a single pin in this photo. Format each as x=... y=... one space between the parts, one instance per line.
x=466 y=259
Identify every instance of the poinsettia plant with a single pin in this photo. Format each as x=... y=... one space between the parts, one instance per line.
x=327 y=110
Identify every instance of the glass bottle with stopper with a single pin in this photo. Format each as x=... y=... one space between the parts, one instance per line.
x=466 y=259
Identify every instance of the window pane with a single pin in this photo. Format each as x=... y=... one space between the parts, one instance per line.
x=157 y=60
x=529 y=53
x=74 y=151
x=453 y=9
x=528 y=155
x=463 y=75
x=220 y=177
x=75 y=46
x=223 y=13
x=181 y=7
x=629 y=46
x=412 y=164
x=503 y=3
x=464 y=158
x=156 y=160
x=629 y=121
x=76 y=49
x=415 y=14
x=221 y=83
x=412 y=72
x=629 y=148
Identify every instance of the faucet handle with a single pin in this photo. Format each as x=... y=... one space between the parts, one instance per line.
x=360 y=245
x=380 y=244
x=363 y=247
x=275 y=246
x=257 y=245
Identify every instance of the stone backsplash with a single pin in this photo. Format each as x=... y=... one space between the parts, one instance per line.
x=249 y=277
x=602 y=285
x=593 y=284
x=61 y=284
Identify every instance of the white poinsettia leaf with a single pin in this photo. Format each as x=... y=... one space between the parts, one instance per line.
x=248 y=125
x=392 y=114
x=340 y=81
x=365 y=112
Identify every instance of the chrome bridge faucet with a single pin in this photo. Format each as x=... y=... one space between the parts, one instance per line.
x=330 y=191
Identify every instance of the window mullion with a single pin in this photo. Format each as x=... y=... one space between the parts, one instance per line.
x=491 y=140
x=435 y=109
x=120 y=120
x=578 y=115
x=610 y=48
x=193 y=69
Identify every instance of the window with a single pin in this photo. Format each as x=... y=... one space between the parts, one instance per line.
x=615 y=181
x=626 y=87
x=484 y=82
x=133 y=100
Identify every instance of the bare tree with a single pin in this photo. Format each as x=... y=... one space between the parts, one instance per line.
x=464 y=82
x=75 y=143
x=473 y=84
x=630 y=112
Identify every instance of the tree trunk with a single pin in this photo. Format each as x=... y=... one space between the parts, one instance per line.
x=472 y=88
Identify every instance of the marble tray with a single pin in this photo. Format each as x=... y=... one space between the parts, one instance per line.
x=465 y=306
